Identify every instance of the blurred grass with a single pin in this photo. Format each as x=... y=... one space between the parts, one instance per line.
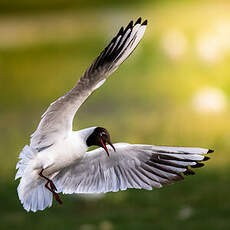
x=37 y=6
x=148 y=100
x=196 y=203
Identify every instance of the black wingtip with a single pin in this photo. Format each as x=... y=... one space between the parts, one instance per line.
x=210 y=151
x=120 y=31
x=138 y=21
x=198 y=165
x=113 y=40
x=144 y=23
x=189 y=172
x=206 y=158
x=130 y=25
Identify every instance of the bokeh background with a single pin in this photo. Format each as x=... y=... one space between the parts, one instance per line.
x=174 y=90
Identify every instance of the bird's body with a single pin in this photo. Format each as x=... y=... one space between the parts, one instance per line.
x=57 y=159
x=60 y=155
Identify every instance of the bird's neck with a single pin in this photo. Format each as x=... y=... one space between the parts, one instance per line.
x=85 y=133
x=78 y=140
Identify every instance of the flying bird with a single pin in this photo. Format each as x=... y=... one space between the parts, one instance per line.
x=57 y=159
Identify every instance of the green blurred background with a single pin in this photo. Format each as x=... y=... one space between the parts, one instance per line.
x=174 y=90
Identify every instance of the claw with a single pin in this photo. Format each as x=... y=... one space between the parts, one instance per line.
x=58 y=199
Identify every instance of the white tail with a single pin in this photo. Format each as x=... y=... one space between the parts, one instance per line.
x=34 y=198
x=25 y=156
x=31 y=190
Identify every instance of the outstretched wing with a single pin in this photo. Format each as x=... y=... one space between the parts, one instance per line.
x=131 y=166
x=56 y=122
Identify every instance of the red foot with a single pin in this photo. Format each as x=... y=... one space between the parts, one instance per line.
x=58 y=199
x=52 y=187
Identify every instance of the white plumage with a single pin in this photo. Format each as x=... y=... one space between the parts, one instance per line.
x=57 y=159
x=131 y=166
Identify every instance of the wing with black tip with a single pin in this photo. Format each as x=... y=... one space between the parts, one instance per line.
x=131 y=166
x=56 y=122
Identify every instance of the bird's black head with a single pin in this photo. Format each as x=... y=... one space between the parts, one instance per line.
x=100 y=137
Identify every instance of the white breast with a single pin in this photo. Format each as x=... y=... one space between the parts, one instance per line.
x=62 y=154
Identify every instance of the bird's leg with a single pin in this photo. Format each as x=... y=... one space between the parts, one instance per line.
x=58 y=199
x=52 y=187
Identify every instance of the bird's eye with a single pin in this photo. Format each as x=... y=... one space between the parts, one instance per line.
x=103 y=134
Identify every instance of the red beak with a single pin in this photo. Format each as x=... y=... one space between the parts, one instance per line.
x=112 y=146
x=104 y=146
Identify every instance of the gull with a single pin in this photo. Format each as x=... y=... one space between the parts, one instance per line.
x=58 y=161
